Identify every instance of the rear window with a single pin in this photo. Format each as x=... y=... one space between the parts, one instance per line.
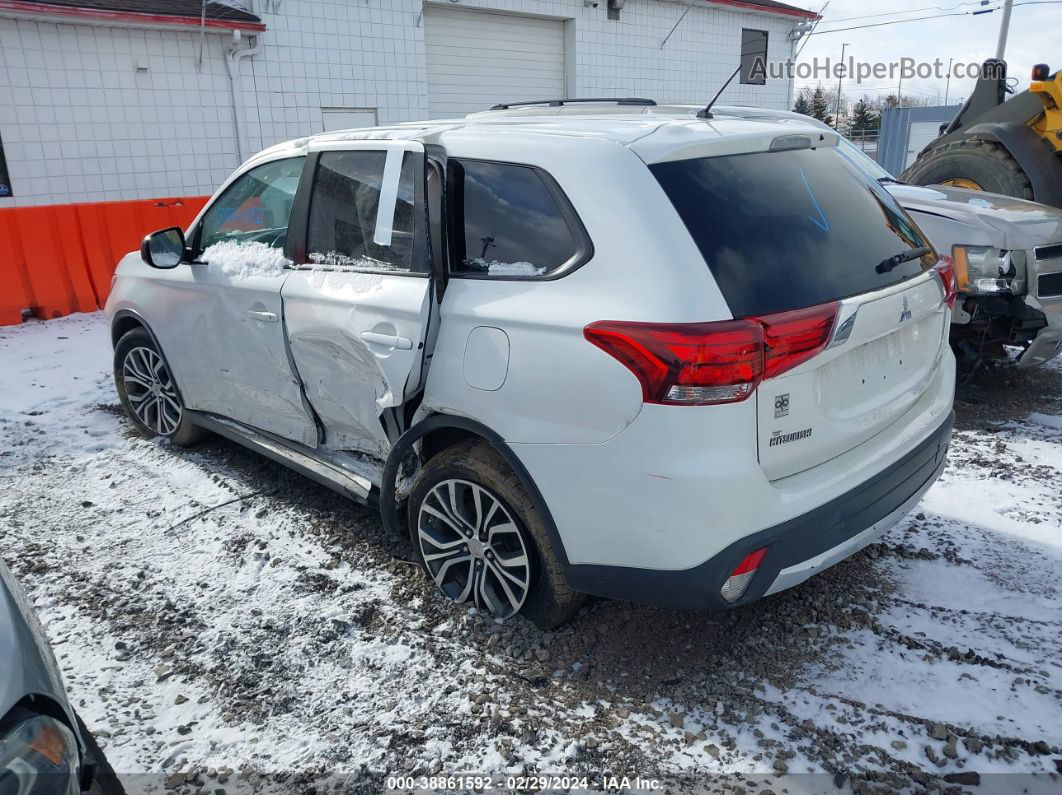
x=784 y=230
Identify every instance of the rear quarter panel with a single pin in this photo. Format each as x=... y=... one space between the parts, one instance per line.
x=558 y=387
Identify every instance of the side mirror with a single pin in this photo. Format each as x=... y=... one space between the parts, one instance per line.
x=163 y=249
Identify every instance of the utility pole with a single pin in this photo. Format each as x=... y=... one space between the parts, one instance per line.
x=840 y=77
x=1004 y=28
x=947 y=85
x=899 y=92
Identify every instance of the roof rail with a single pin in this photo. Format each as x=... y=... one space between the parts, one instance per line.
x=556 y=103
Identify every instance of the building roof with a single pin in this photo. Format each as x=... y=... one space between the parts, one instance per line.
x=767 y=6
x=225 y=15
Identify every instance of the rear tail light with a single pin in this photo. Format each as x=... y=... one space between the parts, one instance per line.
x=945 y=269
x=738 y=581
x=794 y=337
x=697 y=364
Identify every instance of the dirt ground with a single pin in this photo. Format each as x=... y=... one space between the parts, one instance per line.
x=223 y=623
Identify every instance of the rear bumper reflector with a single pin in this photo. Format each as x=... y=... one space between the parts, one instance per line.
x=742 y=575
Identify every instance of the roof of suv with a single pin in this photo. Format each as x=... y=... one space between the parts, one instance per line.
x=668 y=133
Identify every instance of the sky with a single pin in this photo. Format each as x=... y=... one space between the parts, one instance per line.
x=1035 y=28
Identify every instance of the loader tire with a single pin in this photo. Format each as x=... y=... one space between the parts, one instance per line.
x=985 y=165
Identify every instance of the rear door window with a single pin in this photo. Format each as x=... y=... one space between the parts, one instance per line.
x=344 y=212
x=789 y=229
x=512 y=221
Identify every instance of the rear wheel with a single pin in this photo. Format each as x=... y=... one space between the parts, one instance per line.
x=482 y=541
x=148 y=392
x=971 y=163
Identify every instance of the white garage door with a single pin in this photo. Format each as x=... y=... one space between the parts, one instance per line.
x=477 y=59
x=921 y=133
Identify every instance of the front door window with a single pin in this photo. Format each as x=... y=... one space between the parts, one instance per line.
x=251 y=216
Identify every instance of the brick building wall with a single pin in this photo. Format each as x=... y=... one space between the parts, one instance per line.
x=103 y=113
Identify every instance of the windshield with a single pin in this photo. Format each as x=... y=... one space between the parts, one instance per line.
x=783 y=230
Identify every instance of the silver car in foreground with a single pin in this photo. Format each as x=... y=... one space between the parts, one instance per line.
x=45 y=749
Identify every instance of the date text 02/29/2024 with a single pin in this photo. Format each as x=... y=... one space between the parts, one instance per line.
x=535 y=783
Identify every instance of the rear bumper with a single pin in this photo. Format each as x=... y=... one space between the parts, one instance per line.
x=796 y=549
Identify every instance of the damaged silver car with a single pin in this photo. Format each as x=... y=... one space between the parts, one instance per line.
x=1008 y=264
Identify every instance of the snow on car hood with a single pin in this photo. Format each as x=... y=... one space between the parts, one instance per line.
x=1011 y=223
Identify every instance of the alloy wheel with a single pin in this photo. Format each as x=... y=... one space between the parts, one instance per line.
x=151 y=392
x=473 y=548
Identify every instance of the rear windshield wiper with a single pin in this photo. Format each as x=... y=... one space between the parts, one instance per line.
x=887 y=265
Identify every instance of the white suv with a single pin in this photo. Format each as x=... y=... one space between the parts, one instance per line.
x=681 y=361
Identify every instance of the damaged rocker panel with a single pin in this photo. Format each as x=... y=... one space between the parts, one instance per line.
x=314 y=464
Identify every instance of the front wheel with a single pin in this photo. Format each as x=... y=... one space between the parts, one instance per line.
x=148 y=392
x=483 y=542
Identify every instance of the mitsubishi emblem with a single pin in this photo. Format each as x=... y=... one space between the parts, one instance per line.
x=906 y=313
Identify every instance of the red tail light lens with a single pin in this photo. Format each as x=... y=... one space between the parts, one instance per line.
x=694 y=363
x=750 y=562
x=697 y=364
x=945 y=269
x=794 y=337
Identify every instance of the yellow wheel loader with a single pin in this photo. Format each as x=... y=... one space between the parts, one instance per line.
x=1010 y=146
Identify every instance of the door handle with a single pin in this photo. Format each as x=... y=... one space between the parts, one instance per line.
x=268 y=317
x=390 y=340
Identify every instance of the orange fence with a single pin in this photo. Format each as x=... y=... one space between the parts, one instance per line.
x=59 y=258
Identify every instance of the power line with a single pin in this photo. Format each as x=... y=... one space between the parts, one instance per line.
x=980 y=12
x=909 y=11
x=915 y=19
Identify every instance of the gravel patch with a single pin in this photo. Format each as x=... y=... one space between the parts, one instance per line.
x=225 y=623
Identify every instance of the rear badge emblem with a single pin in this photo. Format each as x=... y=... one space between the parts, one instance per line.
x=781 y=406
x=906 y=313
x=785 y=438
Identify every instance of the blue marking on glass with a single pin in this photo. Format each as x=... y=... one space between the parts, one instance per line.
x=824 y=223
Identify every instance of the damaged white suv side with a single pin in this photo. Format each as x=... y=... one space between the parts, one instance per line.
x=657 y=359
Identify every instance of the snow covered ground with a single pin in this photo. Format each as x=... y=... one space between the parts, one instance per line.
x=223 y=622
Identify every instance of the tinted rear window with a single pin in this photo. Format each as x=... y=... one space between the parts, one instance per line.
x=783 y=230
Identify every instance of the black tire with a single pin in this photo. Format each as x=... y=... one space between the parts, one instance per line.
x=985 y=163
x=130 y=359
x=104 y=781
x=549 y=602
